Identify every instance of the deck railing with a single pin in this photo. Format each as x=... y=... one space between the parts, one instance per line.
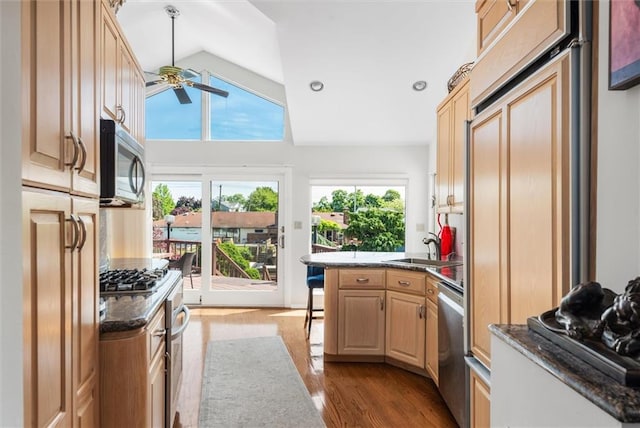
x=221 y=263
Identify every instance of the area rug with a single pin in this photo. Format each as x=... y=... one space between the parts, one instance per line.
x=254 y=383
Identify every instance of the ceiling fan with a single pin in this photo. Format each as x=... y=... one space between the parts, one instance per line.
x=176 y=77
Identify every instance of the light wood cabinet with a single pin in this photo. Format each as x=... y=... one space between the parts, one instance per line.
x=519 y=210
x=452 y=114
x=431 y=340
x=361 y=315
x=60 y=308
x=405 y=328
x=60 y=227
x=123 y=84
x=479 y=403
x=135 y=397
x=60 y=144
x=511 y=38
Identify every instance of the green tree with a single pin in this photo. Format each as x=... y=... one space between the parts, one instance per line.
x=166 y=204
x=323 y=205
x=339 y=200
x=373 y=201
x=238 y=198
x=375 y=229
x=327 y=225
x=391 y=195
x=189 y=203
x=262 y=199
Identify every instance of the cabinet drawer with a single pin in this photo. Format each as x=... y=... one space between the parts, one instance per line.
x=412 y=282
x=156 y=333
x=361 y=278
x=492 y=17
x=432 y=289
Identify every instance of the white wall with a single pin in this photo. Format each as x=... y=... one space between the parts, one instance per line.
x=11 y=390
x=618 y=188
x=308 y=163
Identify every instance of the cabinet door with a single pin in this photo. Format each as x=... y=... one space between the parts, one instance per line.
x=361 y=317
x=538 y=192
x=156 y=394
x=84 y=103
x=138 y=105
x=85 y=311
x=460 y=114
x=109 y=56
x=431 y=353
x=405 y=332
x=492 y=17
x=46 y=53
x=126 y=88
x=47 y=294
x=480 y=403
x=443 y=166
x=486 y=235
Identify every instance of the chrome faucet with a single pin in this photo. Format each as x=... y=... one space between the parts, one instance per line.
x=436 y=241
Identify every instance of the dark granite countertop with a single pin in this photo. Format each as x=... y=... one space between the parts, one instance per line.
x=130 y=312
x=370 y=259
x=619 y=401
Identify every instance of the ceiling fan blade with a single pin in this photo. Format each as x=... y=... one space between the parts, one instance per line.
x=207 y=88
x=182 y=95
x=188 y=73
x=153 y=82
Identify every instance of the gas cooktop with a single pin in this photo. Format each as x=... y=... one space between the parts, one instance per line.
x=131 y=281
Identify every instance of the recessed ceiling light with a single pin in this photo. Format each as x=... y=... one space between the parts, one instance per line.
x=420 y=85
x=316 y=85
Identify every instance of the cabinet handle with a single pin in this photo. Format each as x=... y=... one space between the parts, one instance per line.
x=421 y=311
x=381 y=304
x=83 y=149
x=76 y=148
x=76 y=232
x=120 y=119
x=430 y=291
x=361 y=280
x=84 y=233
x=510 y=6
x=404 y=283
x=159 y=333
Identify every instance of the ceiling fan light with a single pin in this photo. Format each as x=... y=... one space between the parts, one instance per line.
x=420 y=85
x=316 y=86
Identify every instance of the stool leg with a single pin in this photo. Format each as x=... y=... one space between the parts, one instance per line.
x=310 y=311
x=306 y=315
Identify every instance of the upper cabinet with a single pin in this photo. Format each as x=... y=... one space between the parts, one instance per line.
x=453 y=112
x=511 y=35
x=123 y=85
x=60 y=145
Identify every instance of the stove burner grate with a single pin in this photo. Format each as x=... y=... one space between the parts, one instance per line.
x=131 y=281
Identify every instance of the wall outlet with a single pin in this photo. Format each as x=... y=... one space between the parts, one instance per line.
x=297 y=225
x=420 y=227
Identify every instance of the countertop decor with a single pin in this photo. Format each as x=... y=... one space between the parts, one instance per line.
x=619 y=401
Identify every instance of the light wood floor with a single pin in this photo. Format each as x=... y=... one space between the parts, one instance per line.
x=346 y=394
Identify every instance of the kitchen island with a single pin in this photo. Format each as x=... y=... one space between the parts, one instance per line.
x=383 y=307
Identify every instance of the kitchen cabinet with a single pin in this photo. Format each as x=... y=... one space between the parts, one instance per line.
x=511 y=35
x=361 y=318
x=60 y=233
x=136 y=396
x=60 y=308
x=431 y=340
x=452 y=114
x=405 y=328
x=60 y=139
x=123 y=84
x=479 y=403
x=519 y=204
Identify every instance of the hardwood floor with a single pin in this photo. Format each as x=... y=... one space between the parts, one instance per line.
x=346 y=394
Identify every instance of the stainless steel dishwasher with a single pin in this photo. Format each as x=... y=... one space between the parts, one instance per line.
x=451 y=366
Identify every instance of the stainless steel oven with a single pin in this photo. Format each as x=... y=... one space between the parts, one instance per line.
x=122 y=173
x=177 y=319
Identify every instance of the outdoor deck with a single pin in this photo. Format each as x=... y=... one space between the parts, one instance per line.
x=226 y=283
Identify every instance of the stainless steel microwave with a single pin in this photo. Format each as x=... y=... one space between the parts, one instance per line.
x=122 y=173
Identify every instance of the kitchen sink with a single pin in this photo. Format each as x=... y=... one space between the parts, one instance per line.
x=426 y=262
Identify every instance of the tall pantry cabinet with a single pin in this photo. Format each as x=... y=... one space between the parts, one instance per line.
x=60 y=165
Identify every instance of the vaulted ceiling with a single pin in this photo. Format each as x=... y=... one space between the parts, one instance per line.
x=368 y=53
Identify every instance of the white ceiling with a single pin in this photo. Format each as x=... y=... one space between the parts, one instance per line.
x=368 y=53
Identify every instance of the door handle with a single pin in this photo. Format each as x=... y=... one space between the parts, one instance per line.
x=281 y=241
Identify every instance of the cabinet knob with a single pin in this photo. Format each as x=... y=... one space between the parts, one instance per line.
x=430 y=291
